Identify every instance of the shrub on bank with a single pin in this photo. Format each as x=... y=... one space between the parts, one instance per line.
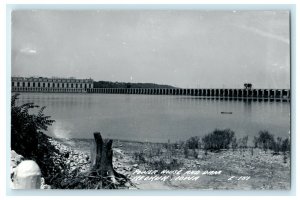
x=234 y=144
x=266 y=141
x=286 y=145
x=162 y=164
x=28 y=140
x=193 y=143
x=139 y=157
x=243 y=142
x=281 y=145
x=218 y=139
x=26 y=127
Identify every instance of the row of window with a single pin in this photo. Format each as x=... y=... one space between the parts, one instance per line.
x=53 y=80
x=63 y=85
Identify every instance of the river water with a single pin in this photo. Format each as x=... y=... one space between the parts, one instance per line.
x=156 y=118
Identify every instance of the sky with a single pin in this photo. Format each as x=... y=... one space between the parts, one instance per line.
x=183 y=48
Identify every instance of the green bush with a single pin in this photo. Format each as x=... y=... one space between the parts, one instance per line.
x=277 y=145
x=286 y=145
x=193 y=142
x=265 y=140
x=234 y=144
x=281 y=145
x=26 y=127
x=186 y=151
x=139 y=157
x=218 y=139
x=162 y=164
x=243 y=142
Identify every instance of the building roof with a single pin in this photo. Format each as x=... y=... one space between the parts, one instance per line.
x=52 y=79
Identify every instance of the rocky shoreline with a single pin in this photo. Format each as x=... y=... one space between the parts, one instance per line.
x=64 y=167
x=65 y=164
x=62 y=161
x=73 y=159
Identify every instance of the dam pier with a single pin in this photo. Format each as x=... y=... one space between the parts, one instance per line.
x=72 y=85
x=251 y=94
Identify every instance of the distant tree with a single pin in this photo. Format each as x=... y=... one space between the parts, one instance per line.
x=128 y=85
x=109 y=84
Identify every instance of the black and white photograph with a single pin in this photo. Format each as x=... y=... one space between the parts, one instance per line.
x=150 y=99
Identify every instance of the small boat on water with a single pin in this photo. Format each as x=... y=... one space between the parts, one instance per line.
x=226 y=112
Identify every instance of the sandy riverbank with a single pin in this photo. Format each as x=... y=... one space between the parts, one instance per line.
x=242 y=169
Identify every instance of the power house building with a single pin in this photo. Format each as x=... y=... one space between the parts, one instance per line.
x=43 y=84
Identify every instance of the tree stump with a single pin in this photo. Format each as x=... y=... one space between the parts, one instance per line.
x=103 y=165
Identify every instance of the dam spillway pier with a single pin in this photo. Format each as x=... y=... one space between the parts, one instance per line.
x=222 y=94
x=249 y=94
x=73 y=85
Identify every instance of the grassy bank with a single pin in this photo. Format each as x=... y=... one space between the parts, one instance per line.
x=219 y=160
x=263 y=169
x=266 y=170
x=65 y=166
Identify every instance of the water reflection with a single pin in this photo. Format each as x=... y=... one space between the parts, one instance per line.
x=157 y=118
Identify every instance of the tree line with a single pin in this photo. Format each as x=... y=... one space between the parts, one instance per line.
x=109 y=84
x=226 y=139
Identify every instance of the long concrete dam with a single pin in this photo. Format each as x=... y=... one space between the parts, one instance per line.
x=250 y=94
